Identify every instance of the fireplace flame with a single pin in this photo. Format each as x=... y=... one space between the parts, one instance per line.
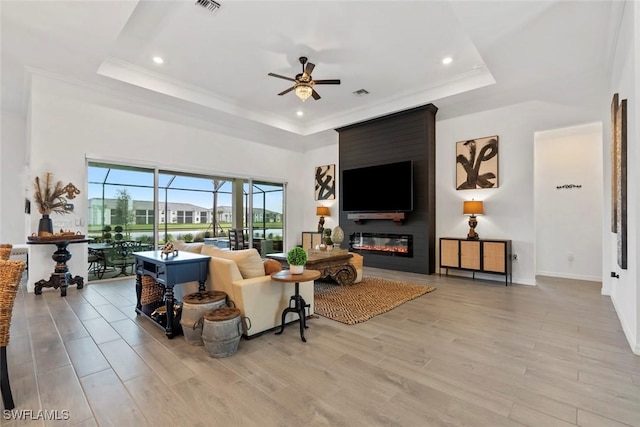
x=396 y=249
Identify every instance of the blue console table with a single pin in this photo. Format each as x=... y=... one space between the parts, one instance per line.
x=169 y=270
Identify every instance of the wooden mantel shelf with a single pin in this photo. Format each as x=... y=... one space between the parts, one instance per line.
x=360 y=218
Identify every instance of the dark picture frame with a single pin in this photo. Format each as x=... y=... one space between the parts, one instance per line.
x=619 y=177
x=477 y=163
x=325 y=182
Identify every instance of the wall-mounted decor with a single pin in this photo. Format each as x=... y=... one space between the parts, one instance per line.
x=569 y=186
x=619 y=176
x=325 y=182
x=477 y=163
x=71 y=190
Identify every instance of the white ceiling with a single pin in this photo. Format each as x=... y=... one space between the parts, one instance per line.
x=216 y=64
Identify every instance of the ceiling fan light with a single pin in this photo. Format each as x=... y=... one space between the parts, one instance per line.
x=303 y=91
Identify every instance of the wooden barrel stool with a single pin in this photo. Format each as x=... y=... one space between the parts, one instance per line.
x=222 y=331
x=194 y=306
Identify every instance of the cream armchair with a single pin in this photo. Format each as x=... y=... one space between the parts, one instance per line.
x=259 y=299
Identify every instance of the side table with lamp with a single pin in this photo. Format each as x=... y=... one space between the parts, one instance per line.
x=474 y=254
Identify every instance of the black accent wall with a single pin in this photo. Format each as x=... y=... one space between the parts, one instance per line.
x=407 y=135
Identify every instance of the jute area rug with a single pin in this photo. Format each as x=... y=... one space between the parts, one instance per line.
x=364 y=300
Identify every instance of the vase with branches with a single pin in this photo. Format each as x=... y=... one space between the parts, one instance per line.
x=49 y=197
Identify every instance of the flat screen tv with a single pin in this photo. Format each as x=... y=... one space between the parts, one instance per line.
x=381 y=188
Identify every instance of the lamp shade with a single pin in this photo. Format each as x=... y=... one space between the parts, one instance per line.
x=473 y=207
x=322 y=211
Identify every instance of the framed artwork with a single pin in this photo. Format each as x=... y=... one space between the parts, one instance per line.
x=325 y=182
x=477 y=163
x=619 y=177
x=614 y=171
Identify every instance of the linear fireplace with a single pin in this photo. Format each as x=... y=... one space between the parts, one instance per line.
x=382 y=243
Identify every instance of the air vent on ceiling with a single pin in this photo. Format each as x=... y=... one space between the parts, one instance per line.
x=361 y=92
x=209 y=4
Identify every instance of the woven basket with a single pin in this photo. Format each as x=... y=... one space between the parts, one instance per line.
x=10 y=276
x=5 y=250
x=152 y=292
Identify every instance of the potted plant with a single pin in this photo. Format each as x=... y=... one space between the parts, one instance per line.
x=327 y=239
x=49 y=198
x=297 y=258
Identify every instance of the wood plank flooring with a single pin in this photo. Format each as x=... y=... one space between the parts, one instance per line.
x=473 y=353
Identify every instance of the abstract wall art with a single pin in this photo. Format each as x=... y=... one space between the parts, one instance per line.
x=477 y=163
x=325 y=182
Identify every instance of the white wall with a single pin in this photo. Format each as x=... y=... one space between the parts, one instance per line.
x=13 y=179
x=70 y=124
x=564 y=247
x=509 y=209
x=625 y=80
x=312 y=158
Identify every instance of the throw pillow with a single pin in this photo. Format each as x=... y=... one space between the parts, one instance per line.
x=196 y=248
x=248 y=260
x=271 y=266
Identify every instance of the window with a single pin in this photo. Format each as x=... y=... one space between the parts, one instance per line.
x=144 y=216
x=189 y=206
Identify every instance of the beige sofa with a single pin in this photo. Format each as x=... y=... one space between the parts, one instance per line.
x=241 y=275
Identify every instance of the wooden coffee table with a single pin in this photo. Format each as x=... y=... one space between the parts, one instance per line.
x=333 y=264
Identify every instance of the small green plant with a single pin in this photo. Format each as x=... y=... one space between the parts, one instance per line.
x=188 y=237
x=297 y=256
x=327 y=236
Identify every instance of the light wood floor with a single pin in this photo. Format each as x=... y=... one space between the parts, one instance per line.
x=472 y=353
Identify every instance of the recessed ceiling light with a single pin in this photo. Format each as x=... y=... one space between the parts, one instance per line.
x=447 y=60
x=300 y=113
x=158 y=60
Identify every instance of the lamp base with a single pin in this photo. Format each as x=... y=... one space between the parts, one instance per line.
x=473 y=222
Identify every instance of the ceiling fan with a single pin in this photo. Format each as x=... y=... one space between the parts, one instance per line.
x=304 y=83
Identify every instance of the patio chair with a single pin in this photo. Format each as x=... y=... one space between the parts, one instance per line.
x=120 y=256
x=10 y=277
x=96 y=261
x=236 y=239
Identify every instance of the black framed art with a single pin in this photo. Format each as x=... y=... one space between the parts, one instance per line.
x=325 y=188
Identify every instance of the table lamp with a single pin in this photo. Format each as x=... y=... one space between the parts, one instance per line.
x=473 y=208
x=321 y=211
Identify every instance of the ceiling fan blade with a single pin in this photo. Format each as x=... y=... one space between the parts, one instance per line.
x=287 y=91
x=309 y=68
x=315 y=95
x=327 y=82
x=281 y=77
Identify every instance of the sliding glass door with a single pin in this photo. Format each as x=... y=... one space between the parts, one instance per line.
x=194 y=207
x=137 y=204
x=267 y=218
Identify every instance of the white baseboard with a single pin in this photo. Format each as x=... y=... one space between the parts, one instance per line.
x=569 y=276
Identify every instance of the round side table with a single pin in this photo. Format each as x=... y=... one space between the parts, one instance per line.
x=299 y=304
